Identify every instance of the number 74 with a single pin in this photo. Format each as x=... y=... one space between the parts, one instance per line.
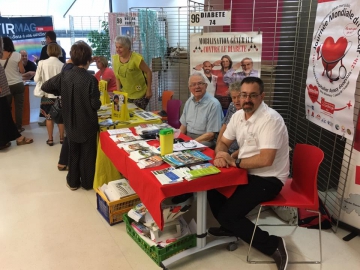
x=212 y=22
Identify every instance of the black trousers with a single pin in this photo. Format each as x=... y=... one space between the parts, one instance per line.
x=8 y=129
x=231 y=212
x=82 y=160
x=17 y=92
x=64 y=153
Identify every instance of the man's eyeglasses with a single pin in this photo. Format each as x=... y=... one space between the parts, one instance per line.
x=197 y=84
x=251 y=96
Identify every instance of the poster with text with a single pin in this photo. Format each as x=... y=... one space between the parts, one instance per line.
x=350 y=203
x=333 y=66
x=225 y=57
x=27 y=33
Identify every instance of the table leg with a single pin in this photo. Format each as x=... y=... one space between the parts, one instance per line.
x=201 y=233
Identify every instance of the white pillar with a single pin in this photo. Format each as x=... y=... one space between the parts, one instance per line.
x=119 y=6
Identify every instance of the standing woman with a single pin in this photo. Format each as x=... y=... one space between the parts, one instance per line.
x=47 y=69
x=105 y=73
x=11 y=62
x=80 y=98
x=133 y=76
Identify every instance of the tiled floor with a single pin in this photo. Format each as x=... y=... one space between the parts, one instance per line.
x=44 y=225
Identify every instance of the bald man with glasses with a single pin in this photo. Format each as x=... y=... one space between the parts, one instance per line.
x=202 y=113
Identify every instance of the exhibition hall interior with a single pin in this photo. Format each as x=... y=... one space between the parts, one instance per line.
x=155 y=214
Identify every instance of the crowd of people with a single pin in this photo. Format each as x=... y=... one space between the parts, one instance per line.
x=251 y=136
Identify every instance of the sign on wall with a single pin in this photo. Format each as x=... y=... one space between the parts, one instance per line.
x=210 y=18
x=334 y=67
x=225 y=57
x=27 y=33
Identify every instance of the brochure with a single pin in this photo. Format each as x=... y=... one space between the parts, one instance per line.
x=201 y=170
x=149 y=162
x=124 y=137
x=134 y=146
x=146 y=115
x=140 y=154
x=192 y=144
x=119 y=131
x=171 y=175
x=190 y=157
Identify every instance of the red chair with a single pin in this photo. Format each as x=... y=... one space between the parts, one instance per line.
x=299 y=191
x=173 y=112
x=166 y=96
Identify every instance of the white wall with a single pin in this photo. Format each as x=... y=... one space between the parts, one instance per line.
x=157 y=3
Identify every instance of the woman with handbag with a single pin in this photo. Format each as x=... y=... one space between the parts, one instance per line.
x=80 y=98
x=47 y=69
x=13 y=66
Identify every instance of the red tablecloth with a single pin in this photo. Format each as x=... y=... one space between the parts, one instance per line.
x=152 y=193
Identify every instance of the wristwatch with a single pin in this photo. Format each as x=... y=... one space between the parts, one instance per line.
x=237 y=162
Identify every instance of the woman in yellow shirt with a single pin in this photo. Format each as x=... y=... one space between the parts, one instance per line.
x=133 y=75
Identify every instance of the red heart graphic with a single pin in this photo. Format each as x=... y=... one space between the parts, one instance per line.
x=313 y=92
x=333 y=51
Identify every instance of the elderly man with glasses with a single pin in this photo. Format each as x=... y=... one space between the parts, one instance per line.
x=202 y=114
x=264 y=152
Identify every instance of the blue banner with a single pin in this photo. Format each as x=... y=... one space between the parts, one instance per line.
x=27 y=33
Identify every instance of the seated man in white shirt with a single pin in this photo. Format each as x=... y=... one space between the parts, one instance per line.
x=202 y=114
x=264 y=152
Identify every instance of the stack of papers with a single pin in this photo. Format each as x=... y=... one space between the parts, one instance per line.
x=171 y=175
x=192 y=144
x=201 y=170
x=134 y=146
x=146 y=115
x=191 y=157
x=150 y=162
x=124 y=137
x=119 y=131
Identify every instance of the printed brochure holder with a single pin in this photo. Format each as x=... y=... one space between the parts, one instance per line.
x=104 y=96
x=119 y=107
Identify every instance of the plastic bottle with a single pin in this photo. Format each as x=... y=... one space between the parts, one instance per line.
x=166 y=141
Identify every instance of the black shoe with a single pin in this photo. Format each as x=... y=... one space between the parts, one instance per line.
x=280 y=255
x=219 y=232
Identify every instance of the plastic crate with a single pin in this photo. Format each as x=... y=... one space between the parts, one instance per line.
x=160 y=254
x=113 y=211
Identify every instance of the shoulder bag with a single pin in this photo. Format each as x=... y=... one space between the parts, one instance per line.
x=7 y=60
x=56 y=112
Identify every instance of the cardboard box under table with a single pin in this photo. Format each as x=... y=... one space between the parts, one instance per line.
x=113 y=211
